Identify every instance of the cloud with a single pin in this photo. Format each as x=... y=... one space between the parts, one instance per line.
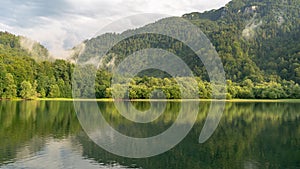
x=27 y=13
x=62 y=24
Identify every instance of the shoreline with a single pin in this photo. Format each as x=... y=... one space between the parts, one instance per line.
x=165 y=100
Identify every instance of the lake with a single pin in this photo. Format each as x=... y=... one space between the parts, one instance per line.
x=48 y=134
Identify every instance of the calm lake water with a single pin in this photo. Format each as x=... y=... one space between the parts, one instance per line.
x=47 y=134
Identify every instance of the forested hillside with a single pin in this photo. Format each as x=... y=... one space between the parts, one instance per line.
x=20 y=46
x=257 y=40
x=31 y=73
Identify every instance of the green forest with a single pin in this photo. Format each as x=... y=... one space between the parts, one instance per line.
x=258 y=42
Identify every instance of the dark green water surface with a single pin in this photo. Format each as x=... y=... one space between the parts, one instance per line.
x=47 y=134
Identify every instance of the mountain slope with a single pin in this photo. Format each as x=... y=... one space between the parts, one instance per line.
x=22 y=46
x=26 y=67
x=266 y=31
x=257 y=40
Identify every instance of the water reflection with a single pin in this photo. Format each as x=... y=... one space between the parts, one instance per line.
x=98 y=129
x=47 y=134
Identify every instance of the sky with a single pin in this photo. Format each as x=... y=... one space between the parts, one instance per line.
x=62 y=24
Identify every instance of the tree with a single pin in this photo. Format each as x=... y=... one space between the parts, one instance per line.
x=27 y=91
x=296 y=92
x=54 y=91
x=2 y=76
x=42 y=93
x=10 y=89
x=65 y=89
x=202 y=90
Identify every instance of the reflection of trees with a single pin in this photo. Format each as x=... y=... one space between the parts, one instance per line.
x=266 y=135
x=24 y=122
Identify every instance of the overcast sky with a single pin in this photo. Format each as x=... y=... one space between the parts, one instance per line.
x=61 y=24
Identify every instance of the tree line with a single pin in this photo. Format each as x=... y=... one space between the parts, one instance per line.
x=23 y=77
x=54 y=80
x=146 y=87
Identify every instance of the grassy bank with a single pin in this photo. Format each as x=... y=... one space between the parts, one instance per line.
x=164 y=100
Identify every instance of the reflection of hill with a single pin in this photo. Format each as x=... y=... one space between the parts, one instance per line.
x=262 y=135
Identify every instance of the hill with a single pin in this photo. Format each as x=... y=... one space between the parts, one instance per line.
x=28 y=71
x=22 y=46
x=256 y=40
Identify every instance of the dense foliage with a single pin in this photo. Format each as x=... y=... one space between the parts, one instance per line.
x=22 y=76
x=257 y=40
x=148 y=87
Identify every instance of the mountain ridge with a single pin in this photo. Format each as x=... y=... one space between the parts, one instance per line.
x=255 y=39
x=245 y=33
